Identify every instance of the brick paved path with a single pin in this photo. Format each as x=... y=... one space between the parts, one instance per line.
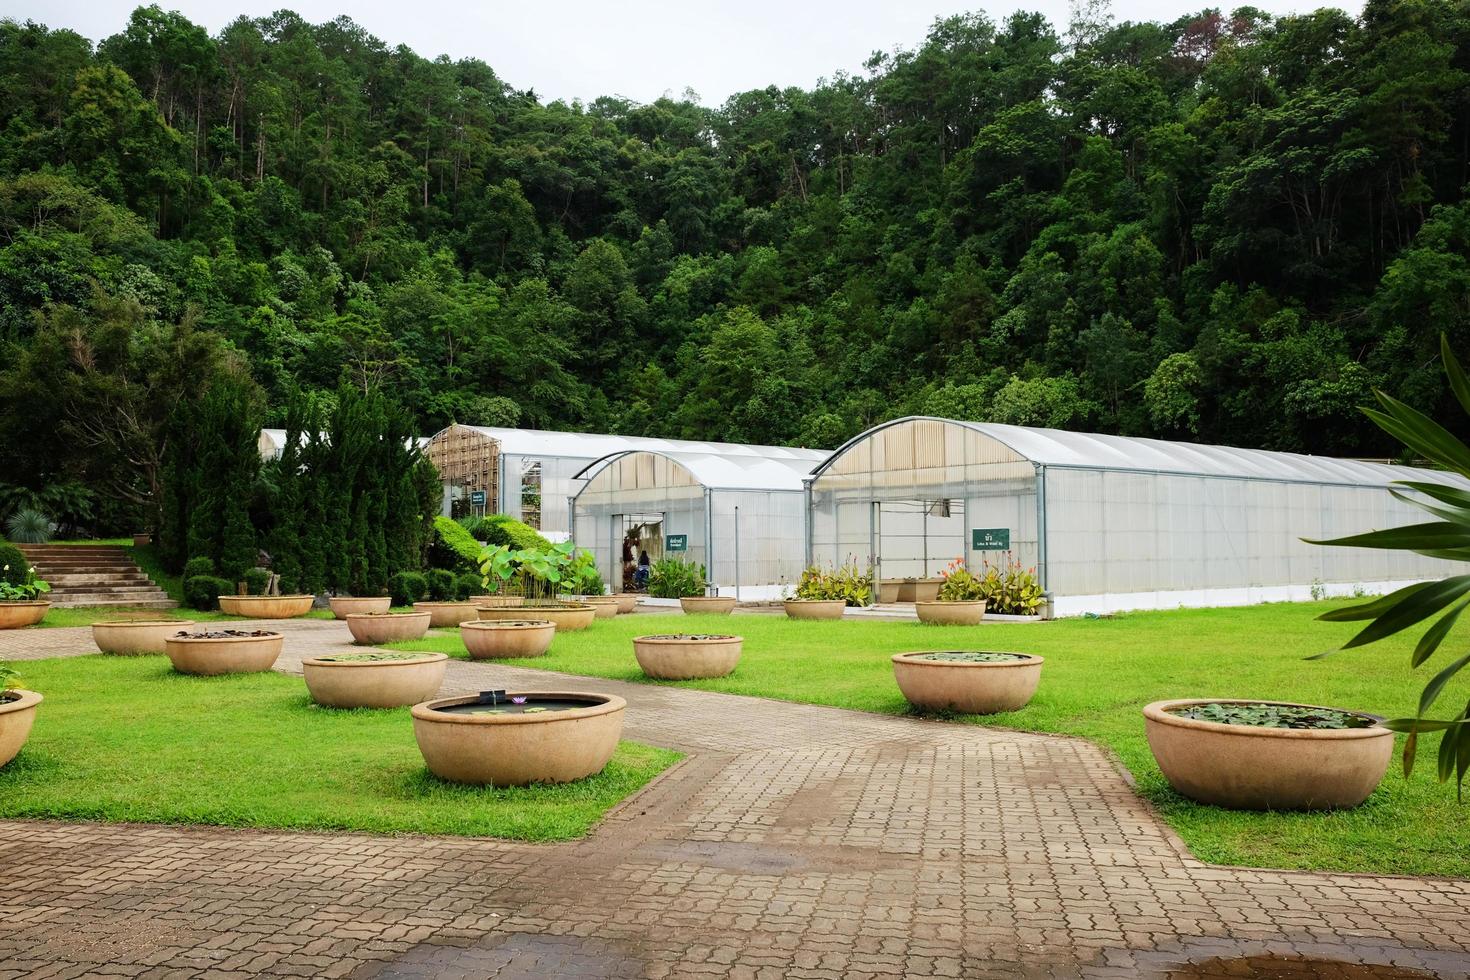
x=794 y=841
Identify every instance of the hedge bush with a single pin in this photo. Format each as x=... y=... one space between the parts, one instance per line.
x=406 y=588
x=256 y=580
x=202 y=592
x=501 y=529
x=453 y=548
x=198 y=566
x=441 y=584
x=12 y=557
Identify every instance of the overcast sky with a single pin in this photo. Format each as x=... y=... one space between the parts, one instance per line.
x=639 y=49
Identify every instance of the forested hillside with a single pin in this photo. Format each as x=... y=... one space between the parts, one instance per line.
x=1228 y=228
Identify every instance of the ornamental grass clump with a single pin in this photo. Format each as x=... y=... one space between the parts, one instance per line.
x=672 y=578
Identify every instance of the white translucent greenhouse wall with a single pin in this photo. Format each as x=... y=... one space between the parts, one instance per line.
x=557 y=488
x=644 y=485
x=1123 y=540
x=909 y=495
x=765 y=529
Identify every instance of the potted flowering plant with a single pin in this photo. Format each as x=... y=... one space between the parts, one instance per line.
x=824 y=593
x=538 y=578
x=17 y=713
x=20 y=602
x=960 y=601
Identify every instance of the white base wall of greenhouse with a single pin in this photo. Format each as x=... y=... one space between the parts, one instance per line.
x=1081 y=605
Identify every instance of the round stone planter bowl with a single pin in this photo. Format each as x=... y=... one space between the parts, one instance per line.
x=266 y=606
x=17 y=714
x=572 y=737
x=960 y=613
x=497 y=601
x=815 y=608
x=506 y=639
x=627 y=602
x=568 y=616
x=1253 y=767
x=374 y=680
x=709 y=605
x=210 y=656
x=604 y=606
x=375 y=629
x=683 y=657
x=345 y=605
x=136 y=636
x=14 y=615
x=944 y=680
x=446 y=613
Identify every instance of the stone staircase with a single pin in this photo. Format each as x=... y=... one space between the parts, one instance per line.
x=94 y=575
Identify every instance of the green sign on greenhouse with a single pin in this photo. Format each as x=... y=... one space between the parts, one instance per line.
x=677 y=542
x=990 y=539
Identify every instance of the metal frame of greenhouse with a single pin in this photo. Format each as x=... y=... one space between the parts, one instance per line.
x=738 y=510
x=1110 y=522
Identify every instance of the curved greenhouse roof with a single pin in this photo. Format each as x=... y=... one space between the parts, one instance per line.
x=733 y=468
x=1096 y=451
x=596 y=446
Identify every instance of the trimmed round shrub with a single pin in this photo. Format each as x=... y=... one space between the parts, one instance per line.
x=202 y=592
x=441 y=584
x=256 y=580
x=198 y=566
x=406 y=588
x=13 y=564
x=468 y=584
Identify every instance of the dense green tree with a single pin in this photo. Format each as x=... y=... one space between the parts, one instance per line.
x=1229 y=227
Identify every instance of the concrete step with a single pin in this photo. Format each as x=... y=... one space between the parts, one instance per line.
x=77 y=602
x=111 y=575
x=104 y=581
x=101 y=588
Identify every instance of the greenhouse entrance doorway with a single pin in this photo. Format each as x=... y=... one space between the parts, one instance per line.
x=916 y=539
x=640 y=533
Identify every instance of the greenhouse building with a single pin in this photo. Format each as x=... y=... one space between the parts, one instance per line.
x=1108 y=522
x=737 y=510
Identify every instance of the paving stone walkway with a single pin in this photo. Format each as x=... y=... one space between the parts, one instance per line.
x=793 y=841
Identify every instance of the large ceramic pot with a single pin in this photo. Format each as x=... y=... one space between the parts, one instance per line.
x=627 y=602
x=973 y=682
x=140 y=540
x=374 y=680
x=889 y=589
x=446 y=613
x=497 y=601
x=17 y=714
x=815 y=608
x=466 y=741
x=605 y=606
x=1251 y=767
x=962 y=613
x=14 y=615
x=345 y=605
x=568 y=616
x=266 y=606
x=240 y=654
x=130 y=636
x=926 y=589
x=375 y=629
x=708 y=604
x=684 y=656
x=506 y=639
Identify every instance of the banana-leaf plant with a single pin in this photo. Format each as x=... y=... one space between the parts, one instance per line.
x=1447 y=537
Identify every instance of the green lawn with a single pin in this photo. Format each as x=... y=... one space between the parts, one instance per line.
x=126 y=738
x=1098 y=675
x=87 y=615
